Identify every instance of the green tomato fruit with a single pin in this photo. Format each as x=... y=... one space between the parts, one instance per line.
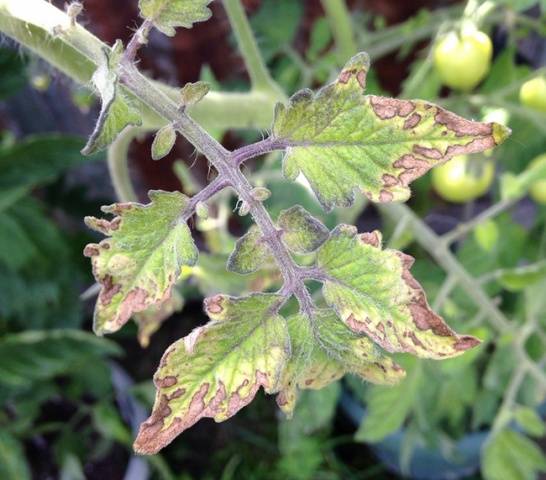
x=533 y=94
x=460 y=180
x=538 y=189
x=463 y=60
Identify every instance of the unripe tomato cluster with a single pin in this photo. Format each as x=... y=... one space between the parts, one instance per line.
x=463 y=59
x=532 y=94
x=460 y=179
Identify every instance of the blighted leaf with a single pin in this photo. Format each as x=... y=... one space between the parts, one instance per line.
x=116 y=113
x=323 y=350
x=250 y=253
x=373 y=292
x=163 y=142
x=301 y=232
x=192 y=93
x=342 y=140
x=151 y=319
x=218 y=368
x=141 y=260
x=510 y=455
x=166 y=15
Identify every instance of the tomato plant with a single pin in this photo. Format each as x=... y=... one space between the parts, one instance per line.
x=295 y=298
x=463 y=179
x=463 y=59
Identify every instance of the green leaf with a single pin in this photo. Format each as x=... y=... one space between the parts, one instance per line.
x=530 y=421
x=218 y=368
x=511 y=455
x=141 y=260
x=12 y=66
x=388 y=408
x=192 y=93
x=373 y=292
x=38 y=159
x=116 y=113
x=151 y=319
x=323 y=350
x=250 y=253
x=342 y=140
x=519 y=278
x=12 y=233
x=301 y=232
x=39 y=355
x=13 y=464
x=300 y=439
x=166 y=15
x=163 y=142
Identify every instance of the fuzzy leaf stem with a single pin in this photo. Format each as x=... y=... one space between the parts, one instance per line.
x=228 y=171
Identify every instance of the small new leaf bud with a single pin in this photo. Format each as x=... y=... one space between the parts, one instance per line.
x=260 y=193
x=202 y=210
x=244 y=209
x=192 y=93
x=73 y=10
x=163 y=142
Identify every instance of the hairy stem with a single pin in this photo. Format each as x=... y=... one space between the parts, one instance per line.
x=339 y=19
x=260 y=78
x=214 y=187
x=228 y=171
x=117 y=158
x=45 y=30
x=463 y=229
x=257 y=149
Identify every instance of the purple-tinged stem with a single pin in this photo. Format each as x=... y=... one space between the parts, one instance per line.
x=253 y=150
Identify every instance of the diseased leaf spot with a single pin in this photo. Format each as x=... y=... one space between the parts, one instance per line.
x=412 y=121
x=387 y=108
x=214 y=304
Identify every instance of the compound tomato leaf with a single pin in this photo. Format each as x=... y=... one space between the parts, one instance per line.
x=324 y=349
x=342 y=140
x=141 y=260
x=218 y=368
x=116 y=113
x=166 y=15
x=250 y=253
x=149 y=321
x=373 y=292
x=301 y=232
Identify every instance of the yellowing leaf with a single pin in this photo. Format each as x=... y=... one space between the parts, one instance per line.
x=141 y=260
x=163 y=142
x=373 y=292
x=301 y=232
x=342 y=140
x=151 y=319
x=116 y=113
x=166 y=15
x=251 y=252
x=323 y=350
x=192 y=93
x=218 y=368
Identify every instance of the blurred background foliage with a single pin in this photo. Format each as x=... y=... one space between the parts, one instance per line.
x=71 y=401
